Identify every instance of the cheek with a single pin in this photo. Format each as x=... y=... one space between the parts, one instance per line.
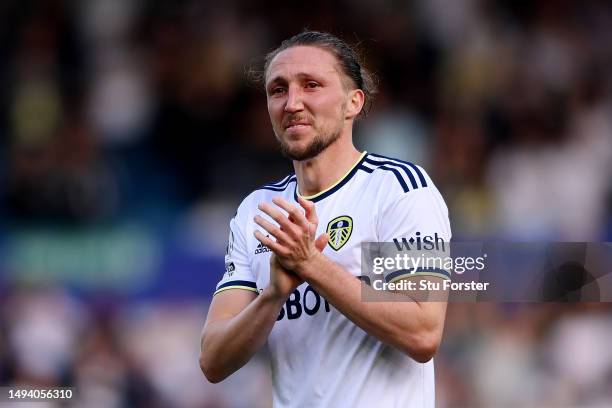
x=275 y=111
x=335 y=109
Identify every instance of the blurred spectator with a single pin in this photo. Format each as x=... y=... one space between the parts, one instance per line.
x=116 y=115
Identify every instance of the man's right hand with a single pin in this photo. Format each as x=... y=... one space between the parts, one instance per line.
x=239 y=321
x=282 y=281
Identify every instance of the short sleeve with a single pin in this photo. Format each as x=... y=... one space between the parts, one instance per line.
x=416 y=223
x=238 y=273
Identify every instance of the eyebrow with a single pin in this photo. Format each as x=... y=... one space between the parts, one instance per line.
x=276 y=79
x=300 y=75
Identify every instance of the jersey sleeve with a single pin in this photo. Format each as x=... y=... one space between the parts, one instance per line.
x=416 y=223
x=238 y=273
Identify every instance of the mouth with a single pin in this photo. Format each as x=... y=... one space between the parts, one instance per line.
x=296 y=121
x=297 y=126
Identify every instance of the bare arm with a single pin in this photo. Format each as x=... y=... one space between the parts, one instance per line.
x=239 y=322
x=411 y=326
x=237 y=325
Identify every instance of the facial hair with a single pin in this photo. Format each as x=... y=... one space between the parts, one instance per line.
x=316 y=146
x=321 y=141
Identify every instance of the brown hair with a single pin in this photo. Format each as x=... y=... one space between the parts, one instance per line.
x=348 y=59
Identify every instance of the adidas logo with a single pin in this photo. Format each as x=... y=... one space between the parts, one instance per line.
x=261 y=248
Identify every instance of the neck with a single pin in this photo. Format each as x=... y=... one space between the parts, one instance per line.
x=327 y=168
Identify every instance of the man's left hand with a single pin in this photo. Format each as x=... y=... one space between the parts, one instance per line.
x=295 y=244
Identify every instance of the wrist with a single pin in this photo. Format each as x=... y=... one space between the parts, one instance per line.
x=308 y=268
x=274 y=296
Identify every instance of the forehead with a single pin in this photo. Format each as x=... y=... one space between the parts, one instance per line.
x=300 y=60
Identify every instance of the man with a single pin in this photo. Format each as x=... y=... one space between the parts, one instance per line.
x=294 y=251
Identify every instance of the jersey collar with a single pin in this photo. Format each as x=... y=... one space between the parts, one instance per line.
x=334 y=187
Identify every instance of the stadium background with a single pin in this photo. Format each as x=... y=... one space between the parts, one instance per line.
x=129 y=134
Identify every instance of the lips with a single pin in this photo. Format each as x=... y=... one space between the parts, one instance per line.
x=296 y=122
x=297 y=125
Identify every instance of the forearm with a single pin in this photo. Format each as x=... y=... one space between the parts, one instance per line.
x=228 y=344
x=414 y=327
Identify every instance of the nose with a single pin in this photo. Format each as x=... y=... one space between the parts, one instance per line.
x=294 y=100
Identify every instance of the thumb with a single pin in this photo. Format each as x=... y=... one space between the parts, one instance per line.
x=321 y=241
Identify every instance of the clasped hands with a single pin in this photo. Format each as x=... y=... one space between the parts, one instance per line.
x=294 y=245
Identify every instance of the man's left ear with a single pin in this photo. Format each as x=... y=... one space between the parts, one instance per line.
x=355 y=103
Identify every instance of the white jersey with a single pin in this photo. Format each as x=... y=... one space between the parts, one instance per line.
x=319 y=358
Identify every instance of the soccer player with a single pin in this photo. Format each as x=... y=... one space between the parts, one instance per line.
x=294 y=256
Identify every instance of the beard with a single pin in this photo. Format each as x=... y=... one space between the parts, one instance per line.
x=318 y=144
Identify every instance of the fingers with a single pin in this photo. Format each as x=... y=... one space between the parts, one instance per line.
x=295 y=214
x=309 y=207
x=310 y=214
x=270 y=243
x=321 y=241
x=285 y=224
x=295 y=229
x=275 y=231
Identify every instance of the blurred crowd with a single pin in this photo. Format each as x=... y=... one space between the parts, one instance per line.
x=145 y=354
x=139 y=113
x=113 y=108
x=115 y=355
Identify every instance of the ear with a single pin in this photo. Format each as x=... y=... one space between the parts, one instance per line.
x=356 y=99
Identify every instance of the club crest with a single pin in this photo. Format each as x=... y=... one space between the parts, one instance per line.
x=339 y=231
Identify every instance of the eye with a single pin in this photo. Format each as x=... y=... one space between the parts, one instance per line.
x=277 y=90
x=312 y=84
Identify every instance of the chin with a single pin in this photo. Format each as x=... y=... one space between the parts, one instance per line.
x=300 y=147
x=296 y=153
x=300 y=135
x=296 y=143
